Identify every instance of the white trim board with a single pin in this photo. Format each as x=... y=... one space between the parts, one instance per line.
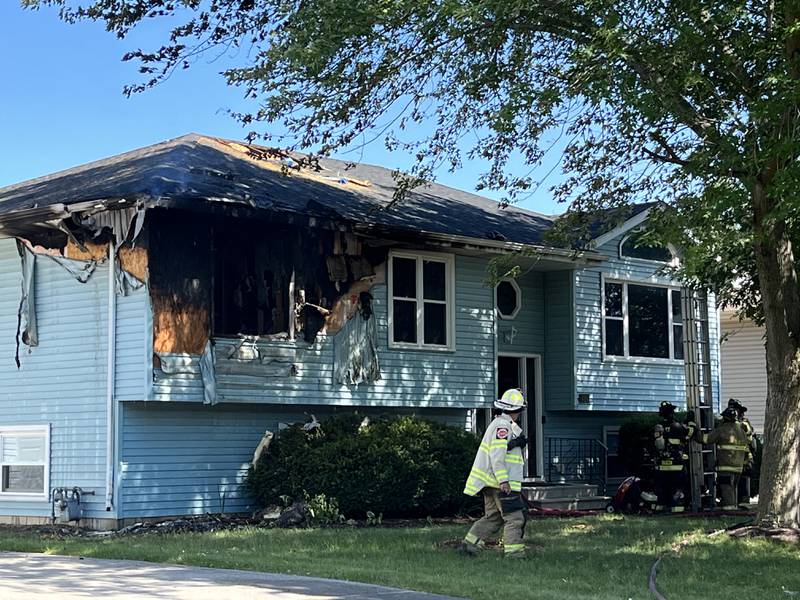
x=634 y=221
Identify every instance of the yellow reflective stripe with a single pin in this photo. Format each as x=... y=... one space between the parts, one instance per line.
x=515 y=485
x=498 y=444
x=483 y=476
x=501 y=474
x=471 y=538
x=513 y=458
x=734 y=447
x=674 y=441
x=669 y=468
x=727 y=469
x=511 y=548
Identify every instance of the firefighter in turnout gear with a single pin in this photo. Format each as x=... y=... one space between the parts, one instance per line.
x=752 y=445
x=497 y=474
x=671 y=441
x=731 y=448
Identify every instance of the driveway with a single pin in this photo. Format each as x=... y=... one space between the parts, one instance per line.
x=37 y=576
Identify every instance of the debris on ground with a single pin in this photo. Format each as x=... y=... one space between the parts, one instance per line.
x=295 y=515
x=781 y=534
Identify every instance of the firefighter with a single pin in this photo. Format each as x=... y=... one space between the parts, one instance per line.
x=671 y=440
x=752 y=445
x=497 y=474
x=731 y=449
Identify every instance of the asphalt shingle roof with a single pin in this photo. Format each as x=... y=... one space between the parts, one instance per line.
x=205 y=168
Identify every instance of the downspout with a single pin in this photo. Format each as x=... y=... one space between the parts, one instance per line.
x=111 y=374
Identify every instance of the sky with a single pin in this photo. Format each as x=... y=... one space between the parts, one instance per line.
x=61 y=103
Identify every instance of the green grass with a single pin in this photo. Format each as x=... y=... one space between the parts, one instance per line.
x=592 y=558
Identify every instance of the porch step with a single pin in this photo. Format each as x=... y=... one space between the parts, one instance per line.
x=558 y=491
x=582 y=503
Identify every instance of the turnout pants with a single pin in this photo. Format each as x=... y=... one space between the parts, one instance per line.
x=744 y=487
x=670 y=487
x=500 y=510
x=728 y=484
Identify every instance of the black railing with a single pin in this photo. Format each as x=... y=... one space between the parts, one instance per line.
x=575 y=460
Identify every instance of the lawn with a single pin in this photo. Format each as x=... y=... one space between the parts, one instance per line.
x=589 y=558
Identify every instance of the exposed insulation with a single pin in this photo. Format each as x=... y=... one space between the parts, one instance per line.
x=345 y=306
x=93 y=251
x=134 y=261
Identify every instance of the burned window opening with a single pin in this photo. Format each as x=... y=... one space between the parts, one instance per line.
x=225 y=277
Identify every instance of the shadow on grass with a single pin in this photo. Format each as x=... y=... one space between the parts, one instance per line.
x=593 y=558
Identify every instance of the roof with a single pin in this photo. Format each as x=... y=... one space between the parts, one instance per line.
x=197 y=167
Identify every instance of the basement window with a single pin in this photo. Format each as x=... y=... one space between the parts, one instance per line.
x=421 y=295
x=24 y=462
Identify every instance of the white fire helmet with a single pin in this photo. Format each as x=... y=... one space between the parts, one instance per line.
x=511 y=401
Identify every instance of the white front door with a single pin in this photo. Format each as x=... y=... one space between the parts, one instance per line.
x=523 y=371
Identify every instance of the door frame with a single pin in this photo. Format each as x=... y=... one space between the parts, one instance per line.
x=535 y=402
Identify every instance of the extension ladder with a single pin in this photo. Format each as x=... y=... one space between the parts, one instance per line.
x=699 y=395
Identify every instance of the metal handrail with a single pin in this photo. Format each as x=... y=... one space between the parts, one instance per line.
x=576 y=460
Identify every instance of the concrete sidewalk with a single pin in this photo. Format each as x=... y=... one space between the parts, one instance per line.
x=38 y=576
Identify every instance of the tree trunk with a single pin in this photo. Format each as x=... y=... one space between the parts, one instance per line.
x=779 y=489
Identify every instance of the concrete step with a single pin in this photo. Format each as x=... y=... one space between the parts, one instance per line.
x=582 y=503
x=558 y=491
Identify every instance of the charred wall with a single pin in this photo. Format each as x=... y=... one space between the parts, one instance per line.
x=180 y=281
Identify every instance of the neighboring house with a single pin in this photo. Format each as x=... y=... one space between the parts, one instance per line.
x=246 y=291
x=744 y=365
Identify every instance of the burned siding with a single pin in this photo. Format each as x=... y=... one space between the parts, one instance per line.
x=408 y=378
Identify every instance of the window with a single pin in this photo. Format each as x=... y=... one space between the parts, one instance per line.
x=24 y=461
x=509 y=298
x=421 y=298
x=634 y=246
x=642 y=321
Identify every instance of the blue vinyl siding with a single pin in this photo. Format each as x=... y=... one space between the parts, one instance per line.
x=181 y=459
x=559 y=359
x=134 y=356
x=528 y=325
x=418 y=378
x=62 y=382
x=625 y=385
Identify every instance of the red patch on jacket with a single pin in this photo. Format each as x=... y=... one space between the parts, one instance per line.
x=502 y=433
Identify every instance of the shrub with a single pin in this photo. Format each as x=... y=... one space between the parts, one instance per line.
x=397 y=466
x=323 y=510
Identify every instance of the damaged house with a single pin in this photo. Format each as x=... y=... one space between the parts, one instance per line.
x=160 y=310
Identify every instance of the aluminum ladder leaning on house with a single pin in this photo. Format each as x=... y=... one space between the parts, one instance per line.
x=699 y=395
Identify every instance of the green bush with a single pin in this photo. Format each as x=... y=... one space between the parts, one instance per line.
x=398 y=466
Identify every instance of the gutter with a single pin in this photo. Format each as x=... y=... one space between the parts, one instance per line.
x=111 y=375
x=504 y=247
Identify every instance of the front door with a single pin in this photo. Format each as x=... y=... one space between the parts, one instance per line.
x=523 y=372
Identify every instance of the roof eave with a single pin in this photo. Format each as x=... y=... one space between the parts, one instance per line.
x=509 y=247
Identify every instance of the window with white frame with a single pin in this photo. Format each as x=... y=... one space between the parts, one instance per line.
x=642 y=321
x=508 y=298
x=421 y=300
x=24 y=461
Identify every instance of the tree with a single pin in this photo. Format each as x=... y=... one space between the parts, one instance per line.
x=691 y=102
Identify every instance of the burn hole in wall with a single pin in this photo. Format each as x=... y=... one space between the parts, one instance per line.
x=224 y=276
